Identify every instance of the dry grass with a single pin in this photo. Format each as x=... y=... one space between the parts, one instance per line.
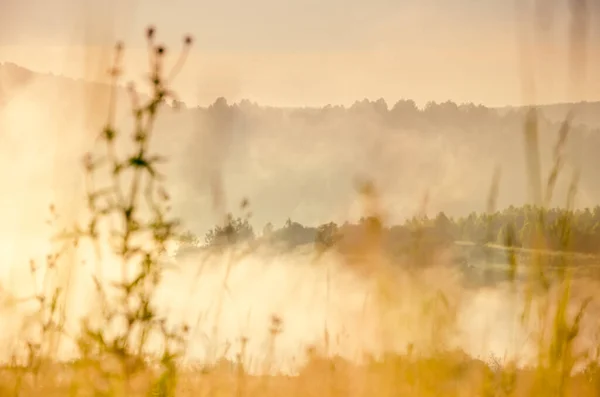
x=117 y=349
x=445 y=374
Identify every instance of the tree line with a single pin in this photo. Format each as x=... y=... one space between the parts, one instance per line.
x=557 y=229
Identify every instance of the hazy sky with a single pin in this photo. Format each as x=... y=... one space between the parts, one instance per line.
x=309 y=52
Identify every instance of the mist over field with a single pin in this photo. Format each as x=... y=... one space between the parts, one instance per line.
x=298 y=163
x=354 y=182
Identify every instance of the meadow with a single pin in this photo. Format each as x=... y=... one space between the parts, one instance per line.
x=366 y=308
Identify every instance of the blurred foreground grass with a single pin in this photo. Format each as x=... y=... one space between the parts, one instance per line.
x=445 y=374
x=124 y=346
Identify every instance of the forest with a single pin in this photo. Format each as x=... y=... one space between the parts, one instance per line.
x=301 y=162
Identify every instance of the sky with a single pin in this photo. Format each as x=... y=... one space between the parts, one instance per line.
x=307 y=52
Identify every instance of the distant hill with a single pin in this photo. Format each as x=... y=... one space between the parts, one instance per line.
x=14 y=77
x=303 y=163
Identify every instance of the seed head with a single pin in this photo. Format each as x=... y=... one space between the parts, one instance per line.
x=150 y=32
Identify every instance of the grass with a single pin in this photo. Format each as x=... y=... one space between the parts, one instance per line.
x=127 y=346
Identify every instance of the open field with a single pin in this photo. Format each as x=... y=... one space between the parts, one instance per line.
x=154 y=246
x=313 y=321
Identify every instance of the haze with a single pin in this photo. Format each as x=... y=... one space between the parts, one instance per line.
x=269 y=137
x=301 y=53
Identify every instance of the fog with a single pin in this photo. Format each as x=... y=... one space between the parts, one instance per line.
x=290 y=163
x=324 y=304
x=299 y=163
